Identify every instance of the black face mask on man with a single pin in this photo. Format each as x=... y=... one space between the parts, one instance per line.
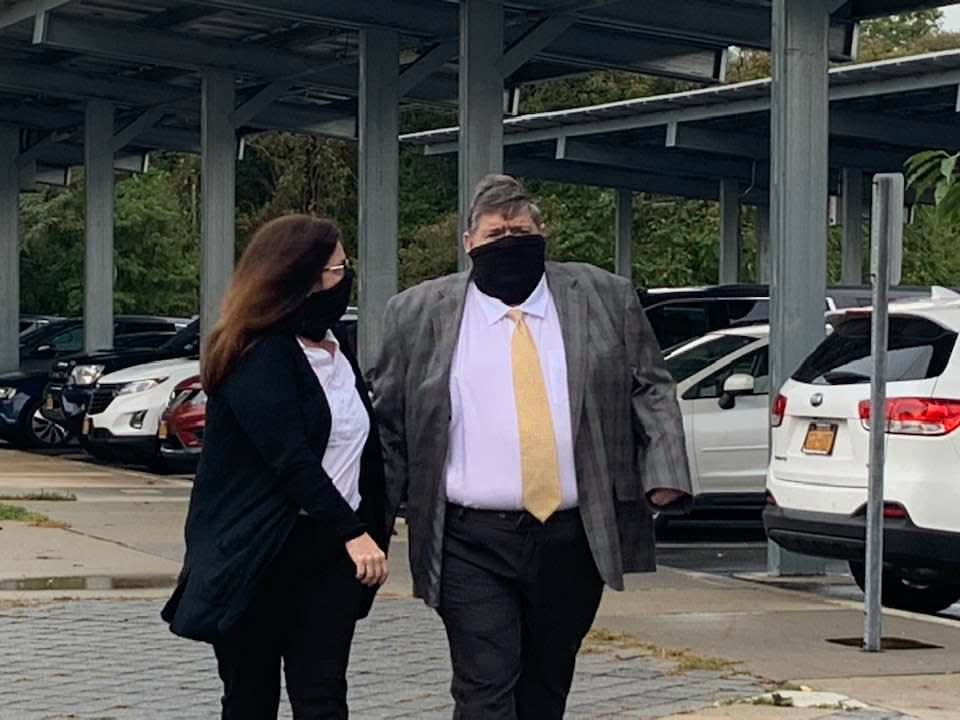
x=322 y=310
x=511 y=268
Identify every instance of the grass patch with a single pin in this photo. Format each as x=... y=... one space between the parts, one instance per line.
x=604 y=641
x=42 y=496
x=16 y=513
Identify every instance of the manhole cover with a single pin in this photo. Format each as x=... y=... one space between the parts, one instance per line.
x=887 y=643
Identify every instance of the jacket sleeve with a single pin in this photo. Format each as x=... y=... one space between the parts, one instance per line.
x=657 y=422
x=262 y=394
x=389 y=377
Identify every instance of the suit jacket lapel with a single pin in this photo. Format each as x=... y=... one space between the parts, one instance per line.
x=447 y=311
x=572 y=309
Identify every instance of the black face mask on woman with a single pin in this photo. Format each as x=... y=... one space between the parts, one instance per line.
x=322 y=309
x=510 y=269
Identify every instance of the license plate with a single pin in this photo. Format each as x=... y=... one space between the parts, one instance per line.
x=820 y=439
x=49 y=402
x=87 y=426
x=162 y=432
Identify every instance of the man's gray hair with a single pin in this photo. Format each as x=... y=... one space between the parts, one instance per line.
x=504 y=195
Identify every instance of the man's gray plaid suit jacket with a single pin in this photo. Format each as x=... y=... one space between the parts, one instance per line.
x=628 y=432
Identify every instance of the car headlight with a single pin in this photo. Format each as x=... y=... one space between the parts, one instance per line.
x=7 y=393
x=139 y=386
x=86 y=374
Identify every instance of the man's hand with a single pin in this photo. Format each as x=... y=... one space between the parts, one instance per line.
x=370 y=560
x=661 y=497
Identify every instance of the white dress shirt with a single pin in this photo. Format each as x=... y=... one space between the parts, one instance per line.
x=483 y=460
x=350 y=424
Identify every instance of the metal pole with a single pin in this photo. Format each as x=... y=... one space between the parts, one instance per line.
x=379 y=171
x=99 y=264
x=729 y=231
x=217 y=194
x=9 y=249
x=481 y=100
x=887 y=229
x=623 y=228
x=798 y=205
x=852 y=259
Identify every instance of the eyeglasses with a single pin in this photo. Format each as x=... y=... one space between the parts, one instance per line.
x=340 y=269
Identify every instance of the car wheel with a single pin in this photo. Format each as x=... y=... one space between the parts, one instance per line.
x=39 y=432
x=903 y=594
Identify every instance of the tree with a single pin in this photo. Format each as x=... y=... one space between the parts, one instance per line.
x=937 y=171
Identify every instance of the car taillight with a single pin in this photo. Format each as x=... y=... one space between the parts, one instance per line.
x=916 y=416
x=778 y=411
x=893 y=511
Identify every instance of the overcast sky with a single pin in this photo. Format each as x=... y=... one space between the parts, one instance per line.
x=951 y=18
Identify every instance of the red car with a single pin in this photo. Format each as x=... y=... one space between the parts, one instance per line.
x=182 y=423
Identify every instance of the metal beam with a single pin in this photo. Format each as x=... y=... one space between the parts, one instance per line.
x=427 y=64
x=757 y=146
x=658 y=160
x=729 y=231
x=218 y=195
x=57 y=82
x=575 y=173
x=379 y=182
x=895 y=130
x=27 y=9
x=37 y=149
x=851 y=265
x=137 y=127
x=99 y=264
x=9 y=249
x=481 y=99
x=689 y=137
x=533 y=42
x=260 y=102
x=800 y=172
x=623 y=233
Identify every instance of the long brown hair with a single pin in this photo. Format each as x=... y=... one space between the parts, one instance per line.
x=276 y=273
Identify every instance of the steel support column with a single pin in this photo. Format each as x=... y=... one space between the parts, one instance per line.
x=99 y=263
x=852 y=257
x=379 y=170
x=799 y=175
x=763 y=243
x=481 y=99
x=729 y=231
x=218 y=194
x=623 y=228
x=9 y=249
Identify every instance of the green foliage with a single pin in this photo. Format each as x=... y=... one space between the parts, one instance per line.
x=937 y=171
x=156 y=256
x=898 y=35
x=430 y=253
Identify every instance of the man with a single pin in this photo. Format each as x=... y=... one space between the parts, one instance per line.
x=526 y=417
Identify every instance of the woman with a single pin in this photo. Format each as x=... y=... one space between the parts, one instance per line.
x=286 y=532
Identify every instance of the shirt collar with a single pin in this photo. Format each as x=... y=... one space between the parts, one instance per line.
x=495 y=310
x=319 y=354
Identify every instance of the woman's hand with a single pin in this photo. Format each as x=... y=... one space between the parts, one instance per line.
x=370 y=560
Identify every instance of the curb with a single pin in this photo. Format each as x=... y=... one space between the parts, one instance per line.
x=90 y=582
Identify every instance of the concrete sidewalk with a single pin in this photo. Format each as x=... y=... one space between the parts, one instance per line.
x=129 y=526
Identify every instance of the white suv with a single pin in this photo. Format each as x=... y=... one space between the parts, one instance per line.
x=123 y=417
x=817 y=480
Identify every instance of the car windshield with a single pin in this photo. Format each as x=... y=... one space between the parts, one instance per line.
x=42 y=334
x=693 y=357
x=186 y=342
x=919 y=349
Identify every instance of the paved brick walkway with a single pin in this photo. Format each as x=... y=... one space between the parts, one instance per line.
x=100 y=660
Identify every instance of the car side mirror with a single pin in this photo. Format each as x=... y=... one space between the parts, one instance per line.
x=46 y=351
x=736 y=384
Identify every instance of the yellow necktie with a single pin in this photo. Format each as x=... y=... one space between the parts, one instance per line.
x=538 y=446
